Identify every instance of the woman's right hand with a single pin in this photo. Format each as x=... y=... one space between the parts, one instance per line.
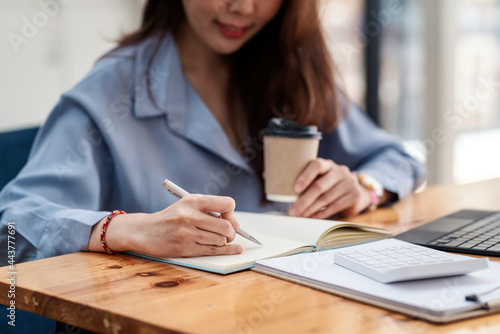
x=183 y=229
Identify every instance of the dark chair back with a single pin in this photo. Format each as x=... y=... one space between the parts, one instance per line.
x=15 y=147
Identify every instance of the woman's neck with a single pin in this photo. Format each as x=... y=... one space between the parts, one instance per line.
x=197 y=57
x=208 y=73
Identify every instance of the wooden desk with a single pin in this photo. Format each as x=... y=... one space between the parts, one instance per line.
x=125 y=294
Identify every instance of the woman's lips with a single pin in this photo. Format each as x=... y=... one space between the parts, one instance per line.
x=232 y=31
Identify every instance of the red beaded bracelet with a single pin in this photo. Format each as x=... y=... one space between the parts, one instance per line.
x=103 y=230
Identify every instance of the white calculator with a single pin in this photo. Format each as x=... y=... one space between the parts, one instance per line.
x=391 y=260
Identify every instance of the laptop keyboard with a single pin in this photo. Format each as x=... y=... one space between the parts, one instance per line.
x=482 y=235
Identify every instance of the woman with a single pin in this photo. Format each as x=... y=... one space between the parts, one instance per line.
x=185 y=97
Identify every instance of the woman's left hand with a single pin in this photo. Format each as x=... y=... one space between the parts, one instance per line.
x=325 y=189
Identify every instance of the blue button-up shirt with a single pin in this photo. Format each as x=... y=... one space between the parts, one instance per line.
x=111 y=141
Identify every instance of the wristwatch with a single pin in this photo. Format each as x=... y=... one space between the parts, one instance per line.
x=375 y=187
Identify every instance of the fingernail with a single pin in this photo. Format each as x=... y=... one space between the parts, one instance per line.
x=298 y=187
x=293 y=212
x=239 y=249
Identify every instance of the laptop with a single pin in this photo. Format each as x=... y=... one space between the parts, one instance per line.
x=466 y=231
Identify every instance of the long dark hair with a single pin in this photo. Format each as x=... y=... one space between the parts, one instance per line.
x=285 y=70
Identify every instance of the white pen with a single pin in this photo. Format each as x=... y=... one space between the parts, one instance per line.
x=179 y=193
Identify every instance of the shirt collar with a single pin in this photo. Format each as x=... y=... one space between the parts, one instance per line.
x=170 y=93
x=161 y=88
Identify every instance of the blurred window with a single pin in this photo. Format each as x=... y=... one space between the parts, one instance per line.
x=472 y=119
x=477 y=91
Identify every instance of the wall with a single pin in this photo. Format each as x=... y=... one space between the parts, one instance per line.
x=47 y=46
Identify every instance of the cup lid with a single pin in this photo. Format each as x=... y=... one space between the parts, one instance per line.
x=279 y=127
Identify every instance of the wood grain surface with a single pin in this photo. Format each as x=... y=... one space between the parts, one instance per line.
x=126 y=294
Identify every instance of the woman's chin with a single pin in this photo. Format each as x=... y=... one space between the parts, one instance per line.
x=227 y=48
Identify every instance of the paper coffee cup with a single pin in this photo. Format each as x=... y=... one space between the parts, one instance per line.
x=288 y=148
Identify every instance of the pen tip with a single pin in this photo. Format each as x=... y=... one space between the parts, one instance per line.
x=256 y=241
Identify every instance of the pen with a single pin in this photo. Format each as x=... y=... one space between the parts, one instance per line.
x=179 y=193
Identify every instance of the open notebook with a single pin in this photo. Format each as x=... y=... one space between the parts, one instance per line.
x=280 y=236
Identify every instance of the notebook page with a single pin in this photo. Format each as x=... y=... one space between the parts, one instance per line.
x=303 y=230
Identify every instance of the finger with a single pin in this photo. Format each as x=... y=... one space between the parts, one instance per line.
x=338 y=190
x=362 y=203
x=221 y=204
x=316 y=167
x=212 y=224
x=204 y=237
x=341 y=204
x=201 y=250
x=231 y=218
x=321 y=185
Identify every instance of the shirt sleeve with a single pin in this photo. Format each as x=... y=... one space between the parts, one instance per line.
x=57 y=197
x=362 y=146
